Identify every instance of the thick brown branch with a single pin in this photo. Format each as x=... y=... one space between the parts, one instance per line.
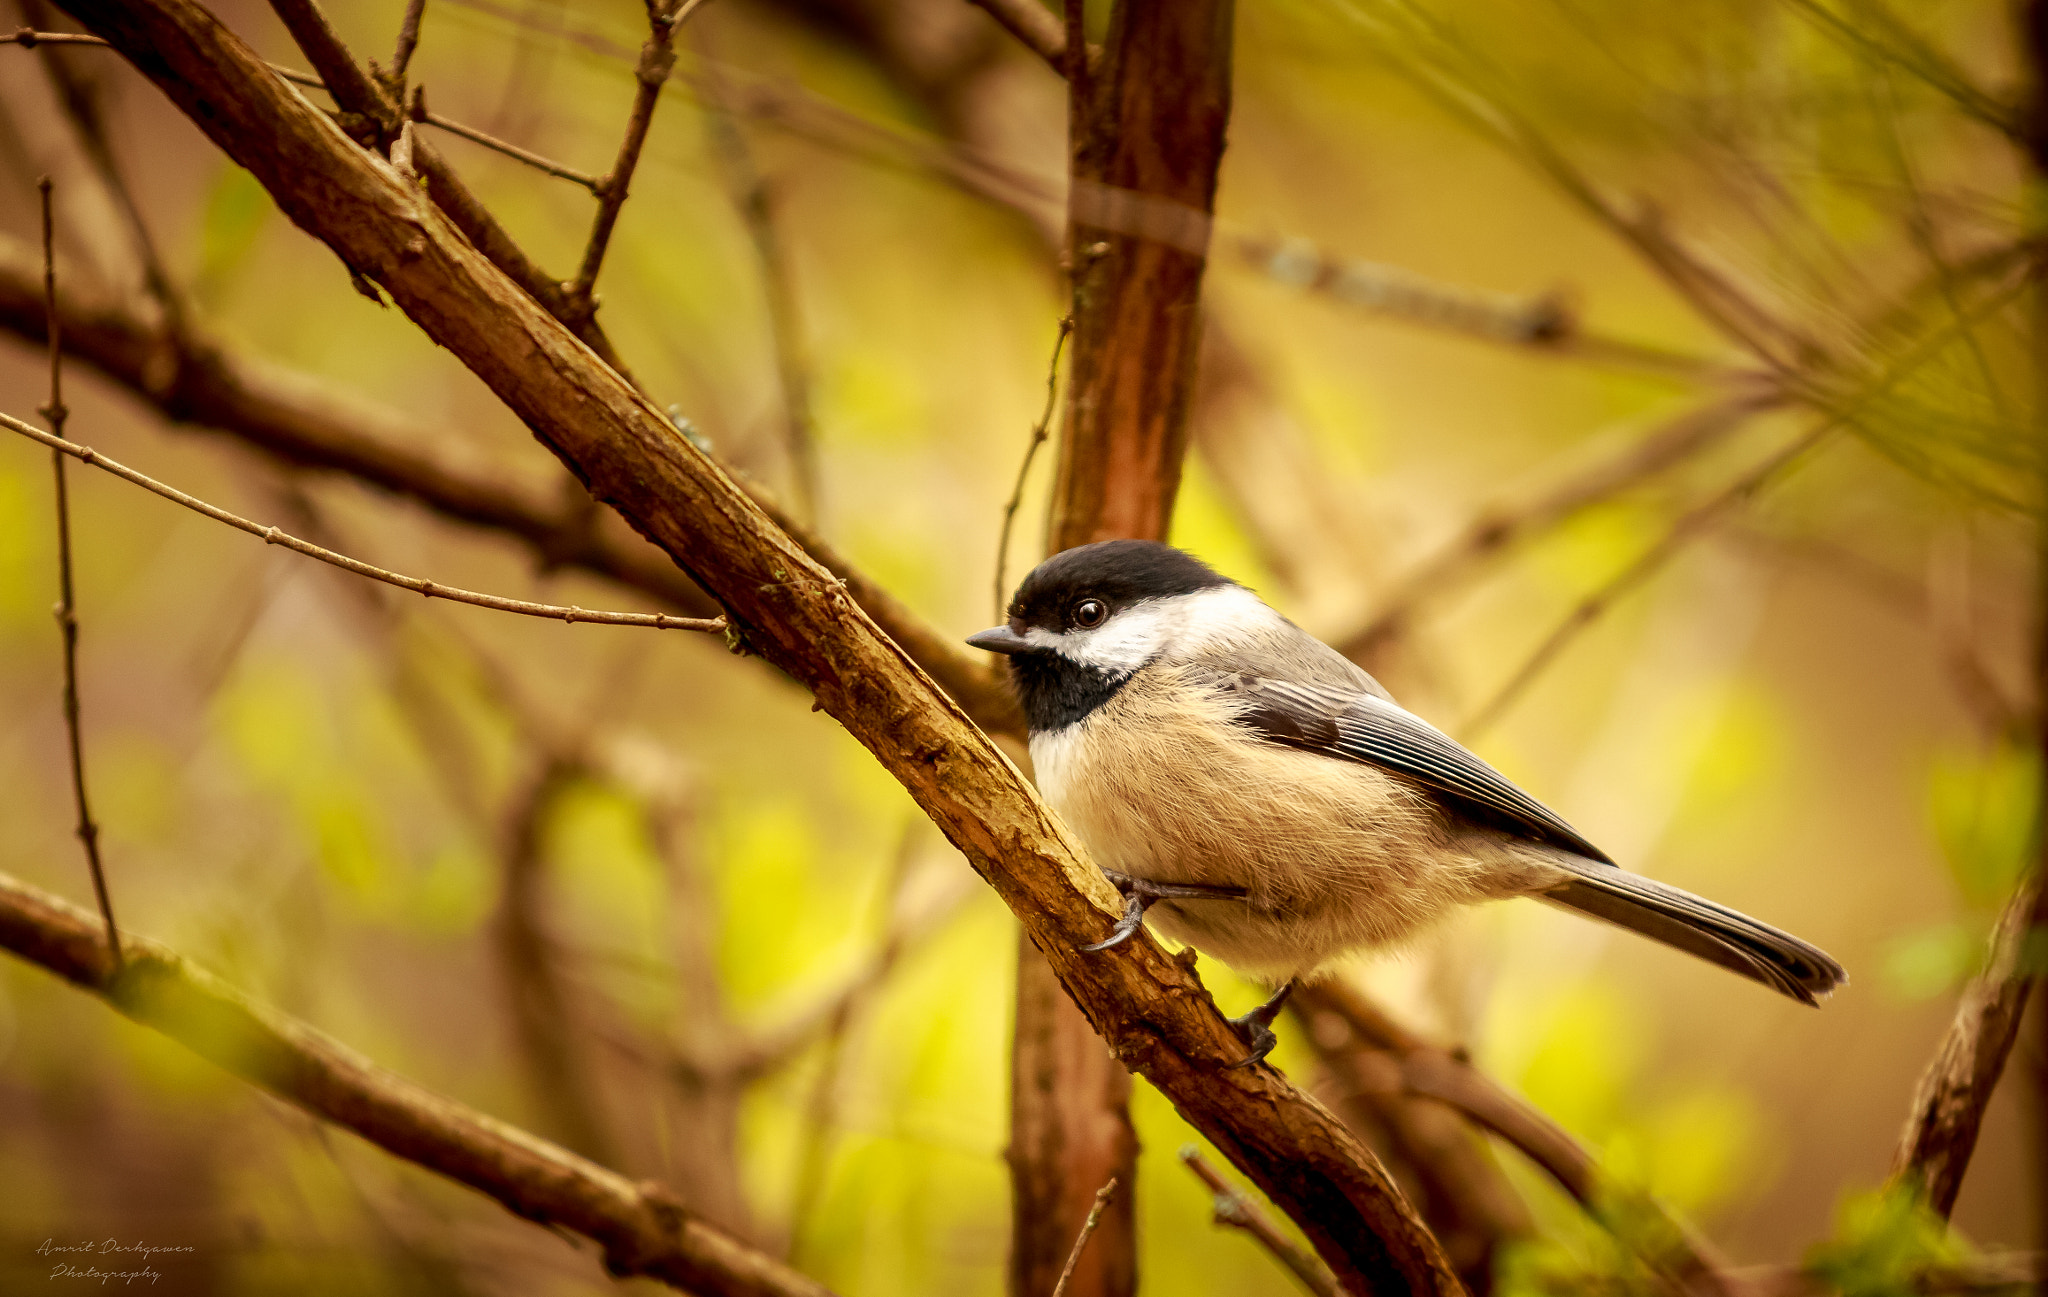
x=1147 y=132
x=1146 y=123
x=640 y=1226
x=795 y=614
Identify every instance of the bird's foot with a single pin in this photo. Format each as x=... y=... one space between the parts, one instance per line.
x=1139 y=895
x=1256 y=1027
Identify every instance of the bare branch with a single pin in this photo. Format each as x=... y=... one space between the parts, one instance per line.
x=1498 y=529
x=1102 y=1197
x=1949 y=1103
x=67 y=604
x=1039 y=432
x=1429 y=1071
x=418 y=585
x=28 y=38
x=1033 y=24
x=657 y=60
x=641 y=1227
x=408 y=41
x=1646 y=565
x=548 y=165
x=1239 y=1212
x=1547 y=323
x=797 y=616
x=376 y=122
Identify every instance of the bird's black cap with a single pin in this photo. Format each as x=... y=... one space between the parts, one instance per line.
x=1117 y=572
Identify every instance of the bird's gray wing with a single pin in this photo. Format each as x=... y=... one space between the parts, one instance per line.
x=1358 y=726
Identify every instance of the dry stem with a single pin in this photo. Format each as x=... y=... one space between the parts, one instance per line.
x=1102 y=1197
x=1039 y=432
x=67 y=605
x=1239 y=1212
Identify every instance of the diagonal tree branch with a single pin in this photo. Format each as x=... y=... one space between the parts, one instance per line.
x=794 y=613
x=657 y=60
x=1950 y=1101
x=641 y=1227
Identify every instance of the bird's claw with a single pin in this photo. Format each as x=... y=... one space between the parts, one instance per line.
x=1256 y=1028
x=1139 y=895
x=1134 y=918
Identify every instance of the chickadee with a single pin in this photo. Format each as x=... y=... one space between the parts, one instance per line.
x=1268 y=803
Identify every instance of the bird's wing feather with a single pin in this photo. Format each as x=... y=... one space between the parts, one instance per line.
x=1359 y=726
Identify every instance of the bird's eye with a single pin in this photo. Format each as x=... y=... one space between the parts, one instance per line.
x=1089 y=612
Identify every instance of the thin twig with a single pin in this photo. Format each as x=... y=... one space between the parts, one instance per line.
x=67 y=607
x=1239 y=1212
x=408 y=41
x=1840 y=411
x=1034 y=25
x=1547 y=322
x=431 y=589
x=593 y=183
x=1038 y=436
x=1652 y=560
x=1102 y=1197
x=1496 y=529
x=28 y=38
x=657 y=60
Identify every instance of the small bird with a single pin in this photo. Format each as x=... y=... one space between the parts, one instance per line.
x=1266 y=801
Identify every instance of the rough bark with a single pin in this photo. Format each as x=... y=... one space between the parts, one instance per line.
x=1148 y=117
x=1146 y=127
x=793 y=612
x=1954 y=1091
x=1070 y=1127
x=643 y=1229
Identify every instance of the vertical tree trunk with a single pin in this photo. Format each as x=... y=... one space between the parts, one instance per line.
x=1146 y=127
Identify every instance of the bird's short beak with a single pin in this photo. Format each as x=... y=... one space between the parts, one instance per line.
x=1000 y=639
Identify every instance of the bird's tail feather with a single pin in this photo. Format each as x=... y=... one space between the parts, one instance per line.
x=1700 y=927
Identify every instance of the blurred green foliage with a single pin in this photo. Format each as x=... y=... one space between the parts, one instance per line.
x=312 y=791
